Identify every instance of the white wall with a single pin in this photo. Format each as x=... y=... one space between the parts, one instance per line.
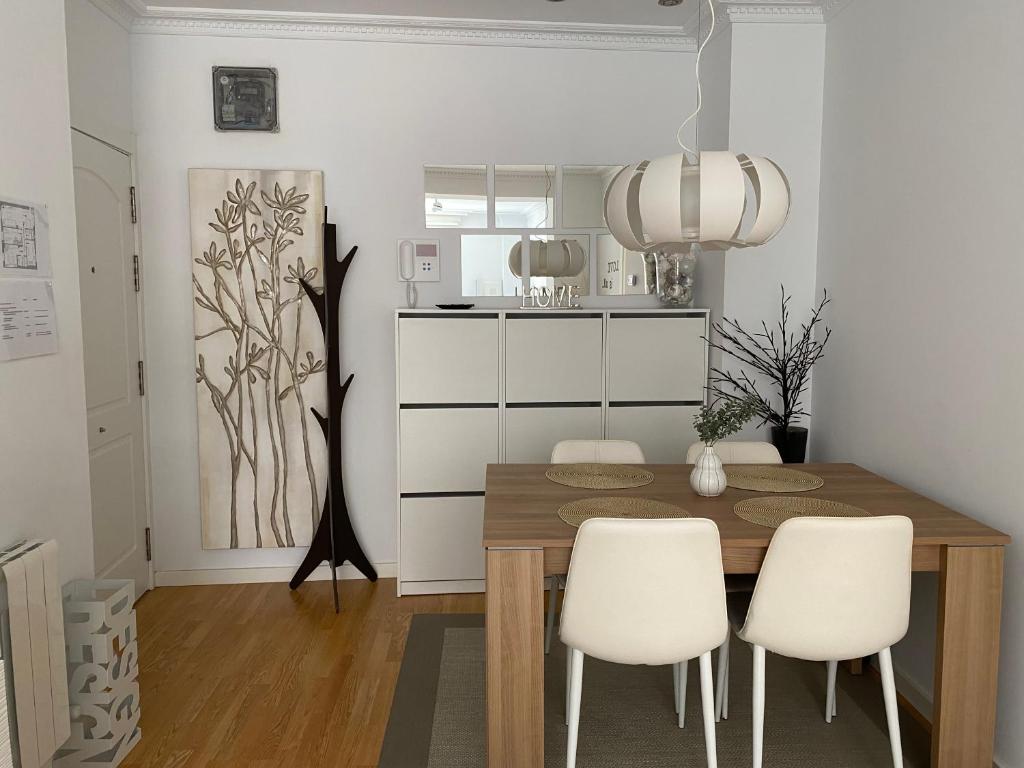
x=99 y=59
x=772 y=76
x=713 y=134
x=920 y=246
x=371 y=135
x=44 y=471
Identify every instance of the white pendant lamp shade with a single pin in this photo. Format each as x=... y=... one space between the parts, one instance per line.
x=549 y=258
x=720 y=201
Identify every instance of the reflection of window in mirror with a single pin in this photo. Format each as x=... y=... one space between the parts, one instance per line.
x=583 y=188
x=524 y=196
x=485 y=265
x=621 y=272
x=455 y=196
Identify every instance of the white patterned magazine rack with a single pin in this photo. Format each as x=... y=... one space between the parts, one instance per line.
x=103 y=671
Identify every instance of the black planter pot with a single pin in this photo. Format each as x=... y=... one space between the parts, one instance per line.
x=791 y=442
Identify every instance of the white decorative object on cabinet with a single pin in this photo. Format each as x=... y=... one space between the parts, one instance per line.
x=103 y=671
x=484 y=387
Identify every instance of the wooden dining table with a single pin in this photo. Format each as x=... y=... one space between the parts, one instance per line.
x=525 y=541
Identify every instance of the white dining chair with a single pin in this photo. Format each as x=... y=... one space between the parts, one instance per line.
x=830 y=588
x=734 y=452
x=677 y=613
x=586 y=452
x=738 y=452
x=597 y=452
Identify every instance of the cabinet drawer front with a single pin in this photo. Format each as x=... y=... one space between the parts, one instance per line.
x=442 y=539
x=656 y=358
x=663 y=432
x=448 y=360
x=531 y=433
x=553 y=360
x=446 y=449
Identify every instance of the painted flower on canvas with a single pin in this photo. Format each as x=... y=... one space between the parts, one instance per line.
x=260 y=358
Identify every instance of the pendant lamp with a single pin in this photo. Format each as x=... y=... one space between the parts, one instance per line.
x=717 y=200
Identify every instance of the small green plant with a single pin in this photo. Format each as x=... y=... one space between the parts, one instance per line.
x=719 y=420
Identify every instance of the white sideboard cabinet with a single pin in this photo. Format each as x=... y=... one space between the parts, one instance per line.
x=490 y=386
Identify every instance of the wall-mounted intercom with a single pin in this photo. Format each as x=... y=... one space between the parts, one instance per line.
x=419 y=261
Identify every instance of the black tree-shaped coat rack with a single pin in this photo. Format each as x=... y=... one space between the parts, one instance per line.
x=334 y=541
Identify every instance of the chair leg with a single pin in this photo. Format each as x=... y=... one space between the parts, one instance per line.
x=552 y=600
x=723 y=679
x=891 y=707
x=683 y=669
x=568 y=680
x=575 y=694
x=707 y=700
x=758 y=705
x=830 y=691
x=675 y=686
x=725 y=694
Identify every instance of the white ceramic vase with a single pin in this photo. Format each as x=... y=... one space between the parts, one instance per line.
x=708 y=477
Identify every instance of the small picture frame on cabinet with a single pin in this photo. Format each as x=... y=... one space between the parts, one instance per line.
x=245 y=99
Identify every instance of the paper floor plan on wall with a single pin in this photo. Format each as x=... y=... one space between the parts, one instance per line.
x=260 y=356
x=24 y=239
x=28 y=325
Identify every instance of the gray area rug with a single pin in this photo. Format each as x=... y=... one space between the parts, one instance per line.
x=627 y=716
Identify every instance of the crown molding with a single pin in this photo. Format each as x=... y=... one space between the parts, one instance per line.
x=124 y=12
x=728 y=12
x=833 y=8
x=157 y=20
x=774 y=12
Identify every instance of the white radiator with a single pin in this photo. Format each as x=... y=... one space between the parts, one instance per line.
x=33 y=657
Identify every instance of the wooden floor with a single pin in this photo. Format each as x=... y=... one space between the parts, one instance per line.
x=259 y=676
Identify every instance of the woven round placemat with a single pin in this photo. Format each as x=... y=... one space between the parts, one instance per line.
x=773 y=511
x=632 y=507
x=600 y=476
x=773 y=479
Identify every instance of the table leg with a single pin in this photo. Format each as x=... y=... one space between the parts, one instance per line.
x=515 y=658
x=967 y=657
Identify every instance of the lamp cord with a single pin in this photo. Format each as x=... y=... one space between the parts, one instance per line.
x=700 y=50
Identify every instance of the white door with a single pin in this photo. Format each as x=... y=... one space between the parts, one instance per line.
x=112 y=351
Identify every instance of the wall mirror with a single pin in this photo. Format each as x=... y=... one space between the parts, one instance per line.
x=524 y=196
x=583 y=188
x=455 y=196
x=623 y=273
x=554 y=261
x=485 y=265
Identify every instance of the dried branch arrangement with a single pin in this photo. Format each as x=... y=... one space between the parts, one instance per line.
x=779 y=358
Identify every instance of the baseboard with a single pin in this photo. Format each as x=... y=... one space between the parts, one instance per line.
x=262 y=575
x=407 y=588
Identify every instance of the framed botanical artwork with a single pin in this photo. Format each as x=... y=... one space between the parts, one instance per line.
x=245 y=99
x=260 y=366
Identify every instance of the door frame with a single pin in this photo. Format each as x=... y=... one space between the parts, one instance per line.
x=130 y=153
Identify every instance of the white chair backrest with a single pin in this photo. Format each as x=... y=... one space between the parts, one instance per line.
x=833 y=588
x=672 y=606
x=597 y=452
x=738 y=452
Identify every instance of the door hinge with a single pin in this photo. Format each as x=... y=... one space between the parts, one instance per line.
x=135 y=271
x=149 y=546
x=142 y=379
x=131 y=199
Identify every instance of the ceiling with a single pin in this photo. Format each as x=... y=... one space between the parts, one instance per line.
x=618 y=12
